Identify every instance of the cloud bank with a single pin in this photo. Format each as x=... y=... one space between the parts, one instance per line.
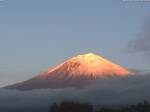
x=114 y=92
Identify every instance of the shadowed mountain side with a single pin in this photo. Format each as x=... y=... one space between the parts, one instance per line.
x=43 y=83
x=52 y=83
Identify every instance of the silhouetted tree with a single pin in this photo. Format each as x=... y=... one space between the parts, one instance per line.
x=53 y=108
x=71 y=107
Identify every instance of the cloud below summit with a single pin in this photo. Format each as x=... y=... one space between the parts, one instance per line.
x=120 y=91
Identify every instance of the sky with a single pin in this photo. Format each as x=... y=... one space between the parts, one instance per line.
x=36 y=35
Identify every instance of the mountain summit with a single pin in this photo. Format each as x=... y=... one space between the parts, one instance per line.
x=77 y=71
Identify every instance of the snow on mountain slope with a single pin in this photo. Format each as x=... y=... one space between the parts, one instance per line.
x=87 y=65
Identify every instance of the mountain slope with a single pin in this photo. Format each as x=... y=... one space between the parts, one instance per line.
x=75 y=72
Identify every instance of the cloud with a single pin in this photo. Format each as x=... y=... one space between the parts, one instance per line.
x=141 y=42
x=120 y=91
x=2 y=0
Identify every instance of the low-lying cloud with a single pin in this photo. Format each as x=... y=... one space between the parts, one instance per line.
x=114 y=92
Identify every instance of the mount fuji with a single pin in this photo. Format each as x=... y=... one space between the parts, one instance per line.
x=78 y=71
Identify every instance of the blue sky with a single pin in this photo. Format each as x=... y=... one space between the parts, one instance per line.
x=38 y=34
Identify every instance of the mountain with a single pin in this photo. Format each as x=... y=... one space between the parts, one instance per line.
x=75 y=72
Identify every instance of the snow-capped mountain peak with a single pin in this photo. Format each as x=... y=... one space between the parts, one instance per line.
x=87 y=65
x=78 y=71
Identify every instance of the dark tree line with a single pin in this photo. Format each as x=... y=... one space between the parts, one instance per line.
x=71 y=107
x=85 y=107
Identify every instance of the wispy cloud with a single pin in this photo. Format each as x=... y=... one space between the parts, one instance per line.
x=2 y=0
x=141 y=42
